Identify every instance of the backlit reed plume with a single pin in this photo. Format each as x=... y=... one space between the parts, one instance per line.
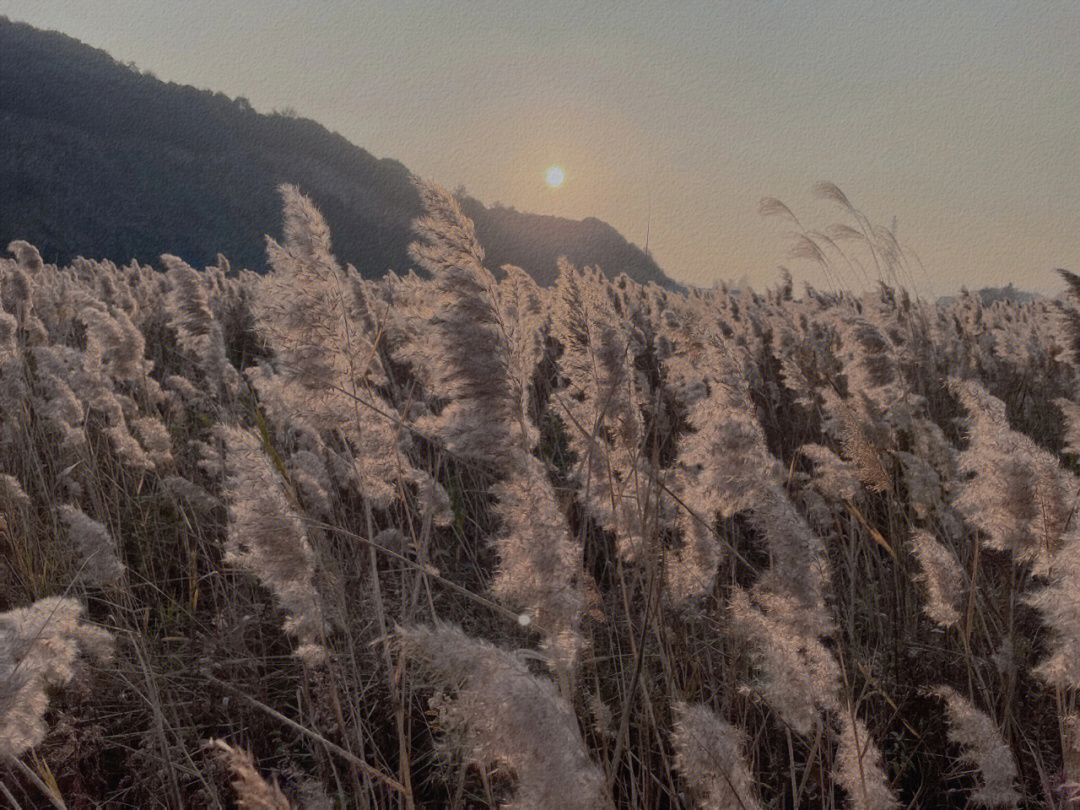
x=600 y=406
x=1015 y=492
x=15 y=390
x=709 y=755
x=798 y=676
x=1070 y=749
x=197 y=330
x=184 y=390
x=925 y=489
x=726 y=467
x=523 y=309
x=326 y=365
x=154 y=437
x=798 y=568
x=459 y=339
x=16 y=287
x=1071 y=412
x=39 y=648
x=73 y=383
x=304 y=306
x=833 y=477
x=113 y=341
x=253 y=792
x=97 y=549
x=1066 y=324
x=126 y=447
x=540 y=562
x=9 y=343
x=12 y=496
x=941 y=574
x=266 y=537
x=863 y=437
x=1058 y=603
x=308 y=472
x=787 y=619
x=868 y=360
x=982 y=746
x=478 y=344
x=859 y=768
x=432 y=500
x=509 y=717
x=181 y=489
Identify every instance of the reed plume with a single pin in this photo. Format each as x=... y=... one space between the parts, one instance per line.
x=832 y=476
x=1059 y=606
x=266 y=538
x=327 y=368
x=540 y=563
x=859 y=768
x=190 y=316
x=799 y=569
x=725 y=464
x=114 y=342
x=600 y=406
x=981 y=745
x=478 y=344
x=39 y=648
x=510 y=717
x=869 y=364
x=523 y=308
x=1070 y=744
x=101 y=566
x=943 y=577
x=460 y=339
x=1071 y=412
x=155 y=440
x=863 y=438
x=799 y=678
x=13 y=498
x=253 y=792
x=1015 y=492
x=709 y=755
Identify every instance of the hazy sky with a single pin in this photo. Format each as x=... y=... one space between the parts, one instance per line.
x=961 y=120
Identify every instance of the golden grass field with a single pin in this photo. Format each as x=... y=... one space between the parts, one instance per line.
x=455 y=540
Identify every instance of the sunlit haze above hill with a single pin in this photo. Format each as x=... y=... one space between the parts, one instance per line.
x=957 y=123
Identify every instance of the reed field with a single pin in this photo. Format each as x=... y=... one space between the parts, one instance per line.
x=451 y=539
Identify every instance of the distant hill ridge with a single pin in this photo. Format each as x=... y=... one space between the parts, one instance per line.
x=99 y=160
x=990 y=295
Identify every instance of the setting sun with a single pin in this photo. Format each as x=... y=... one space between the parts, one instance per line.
x=555 y=176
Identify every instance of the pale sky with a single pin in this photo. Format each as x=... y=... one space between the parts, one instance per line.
x=961 y=120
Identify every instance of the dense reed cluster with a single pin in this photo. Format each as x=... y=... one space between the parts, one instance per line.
x=454 y=539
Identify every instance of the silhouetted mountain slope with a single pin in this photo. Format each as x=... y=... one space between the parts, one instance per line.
x=535 y=242
x=99 y=160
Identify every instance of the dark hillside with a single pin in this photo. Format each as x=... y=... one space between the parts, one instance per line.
x=98 y=159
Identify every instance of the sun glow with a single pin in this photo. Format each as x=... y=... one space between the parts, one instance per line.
x=555 y=176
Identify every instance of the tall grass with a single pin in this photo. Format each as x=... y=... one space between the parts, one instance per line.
x=457 y=540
